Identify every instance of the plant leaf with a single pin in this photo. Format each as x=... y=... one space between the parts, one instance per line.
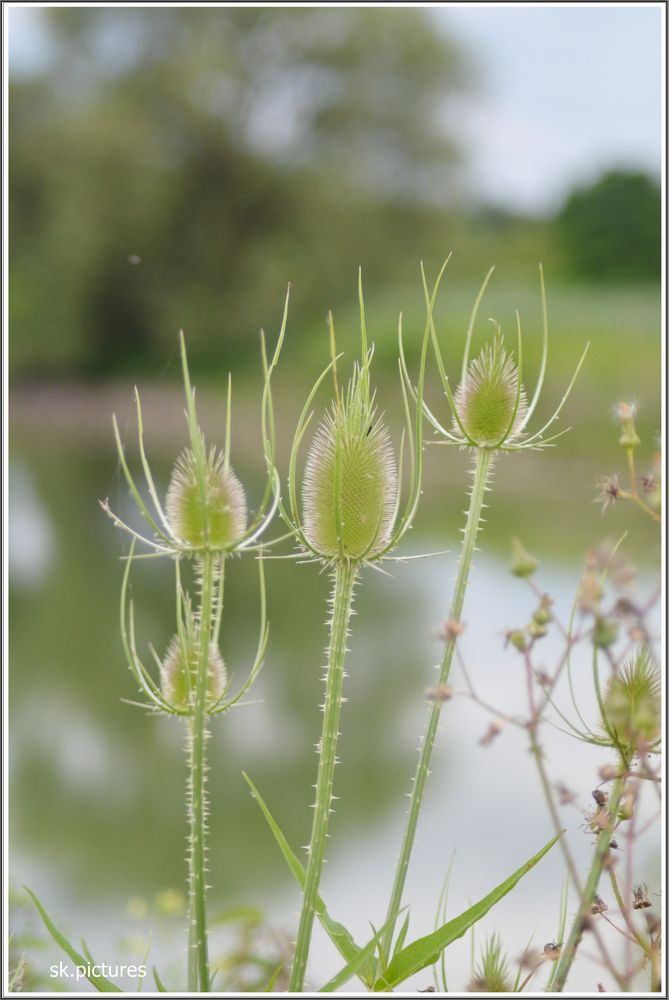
x=351 y=968
x=273 y=978
x=338 y=934
x=401 y=937
x=160 y=986
x=426 y=950
x=101 y=984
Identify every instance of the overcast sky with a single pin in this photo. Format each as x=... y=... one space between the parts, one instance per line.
x=564 y=92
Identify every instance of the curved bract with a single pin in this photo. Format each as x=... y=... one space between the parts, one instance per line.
x=489 y=408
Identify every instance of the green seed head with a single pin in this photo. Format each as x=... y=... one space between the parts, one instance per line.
x=350 y=479
x=487 y=401
x=633 y=702
x=208 y=506
x=178 y=675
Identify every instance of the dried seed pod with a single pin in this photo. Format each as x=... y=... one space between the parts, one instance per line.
x=178 y=675
x=488 y=404
x=208 y=507
x=350 y=480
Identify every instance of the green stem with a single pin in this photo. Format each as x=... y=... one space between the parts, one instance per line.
x=482 y=468
x=198 y=803
x=590 y=891
x=342 y=599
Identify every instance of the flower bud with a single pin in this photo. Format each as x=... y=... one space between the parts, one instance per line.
x=178 y=675
x=486 y=398
x=626 y=413
x=350 y=481
x=605 y=632
x=522 y=562
x=207 y=509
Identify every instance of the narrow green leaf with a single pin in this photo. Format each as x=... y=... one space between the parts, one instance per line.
x=338 y=934
x=401 y=937
x=426 y=950
x=101 y=984
x=364 y=956
x=273 y=978
x=160 y=986
x=351 y=968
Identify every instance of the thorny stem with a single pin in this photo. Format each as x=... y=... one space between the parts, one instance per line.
x=583 y=914
x=344 y=579
x=482 y=468
x=197 y=778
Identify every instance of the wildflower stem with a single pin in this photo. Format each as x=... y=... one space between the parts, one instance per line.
x=589 y=892
x=482 y=468
x=198 y=807
x=344 y=578
x=627 y=917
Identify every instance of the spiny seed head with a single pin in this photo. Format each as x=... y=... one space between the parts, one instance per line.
x=486 y=398
x=633 y=701
x=350 y=479
x=492 y=970
x=208 y=506
x=178 y=674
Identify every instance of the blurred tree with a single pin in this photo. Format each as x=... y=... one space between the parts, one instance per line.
x=177 y=166
x=611 y=229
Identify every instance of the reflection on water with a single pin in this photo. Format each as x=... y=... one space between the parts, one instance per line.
x=97 y=813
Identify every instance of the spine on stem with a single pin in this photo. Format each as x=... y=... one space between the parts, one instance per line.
x=344 y=579
x=482 y=469
x=199 y=967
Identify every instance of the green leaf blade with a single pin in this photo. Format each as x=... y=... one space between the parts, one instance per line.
x=426 y=950
x=340 y=937
x=101 y=984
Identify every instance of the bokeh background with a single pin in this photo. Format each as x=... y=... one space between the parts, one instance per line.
x=175 y=168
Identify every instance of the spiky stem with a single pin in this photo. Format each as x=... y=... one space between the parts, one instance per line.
x=344 y=578
x=482 y=468
x=197 y=779
x=590 y=890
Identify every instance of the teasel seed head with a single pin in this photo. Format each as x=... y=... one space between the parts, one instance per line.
x=178 y=675
x=207 y=509
x=487 y=402
x=350 y=479
x=633 y=702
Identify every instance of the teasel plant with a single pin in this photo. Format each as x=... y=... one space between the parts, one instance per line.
x=203 y=521
x=630 y=709
x=628 y=725
x=351 y=516
x=490 y=416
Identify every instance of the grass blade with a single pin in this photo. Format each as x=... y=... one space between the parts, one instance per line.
x=101 y=984
x=426 y=950
x=352 y=968
x=338 y=934
x=160 y=986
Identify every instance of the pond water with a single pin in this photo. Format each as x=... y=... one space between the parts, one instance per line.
x=97 y=821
